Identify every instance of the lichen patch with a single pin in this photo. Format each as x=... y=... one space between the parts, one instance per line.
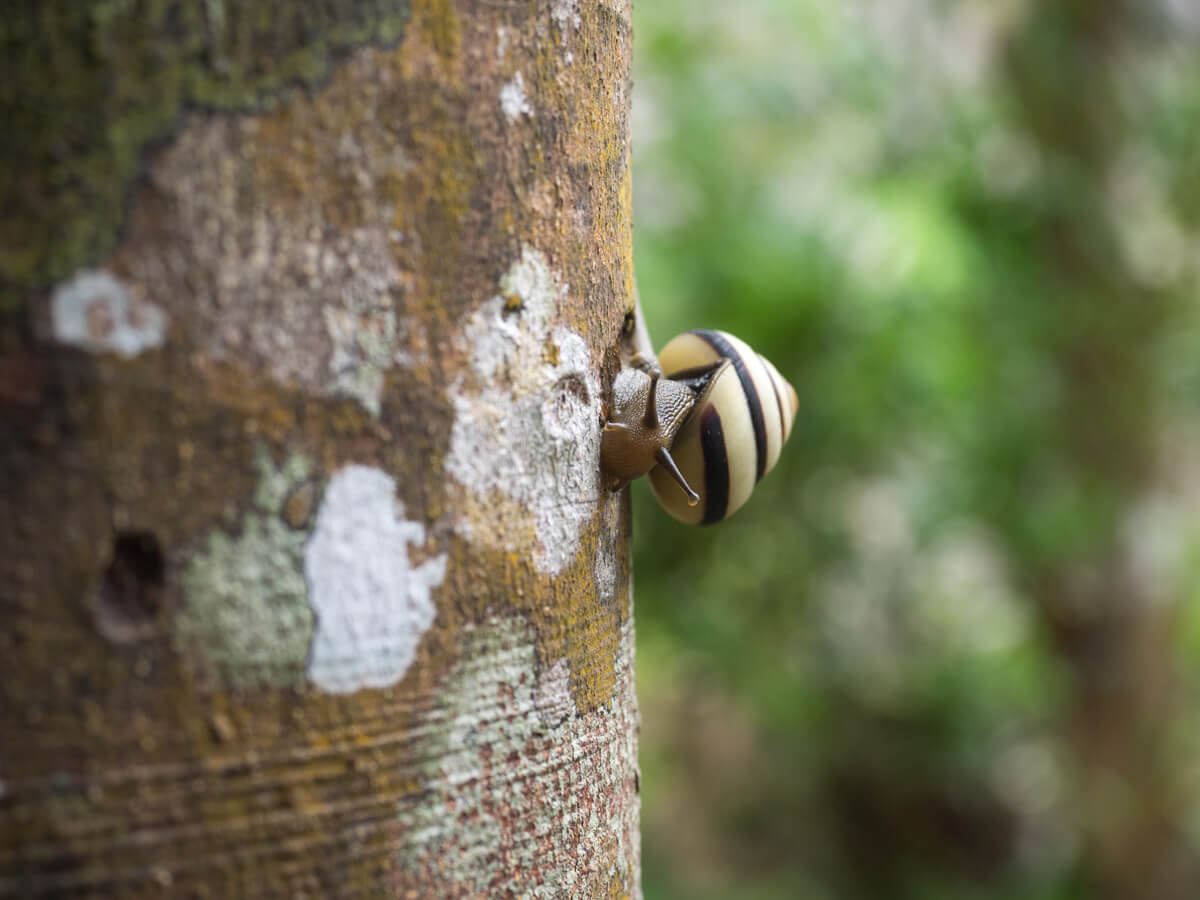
x=245 y=618
x=371 y=604
x=294 y=249
x=523 y=796
x=526 y=443
x=95 y=311
x=364 y=337
x=552 y=695
x=513 y=101
x=335 y=329
x=566 y=14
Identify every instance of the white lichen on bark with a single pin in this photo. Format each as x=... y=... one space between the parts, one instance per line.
x=94 y=311
x=276 y=285
x=372 y=605
x=526 y=441
x=513 y=101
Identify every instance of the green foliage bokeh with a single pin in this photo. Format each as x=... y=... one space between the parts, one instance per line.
x=981 y=279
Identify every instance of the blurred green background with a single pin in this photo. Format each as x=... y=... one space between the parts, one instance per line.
x=951 y=647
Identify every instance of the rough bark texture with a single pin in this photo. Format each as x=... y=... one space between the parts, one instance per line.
x=309 y=582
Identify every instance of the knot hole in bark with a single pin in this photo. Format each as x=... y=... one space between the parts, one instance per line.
x=129 y=597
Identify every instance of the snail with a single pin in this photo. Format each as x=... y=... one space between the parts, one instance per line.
x=707 y=420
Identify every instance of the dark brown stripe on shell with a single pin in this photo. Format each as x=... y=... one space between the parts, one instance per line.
x=717 y=341
x=716 y=466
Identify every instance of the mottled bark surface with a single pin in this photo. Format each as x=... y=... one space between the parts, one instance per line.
x=309 y=582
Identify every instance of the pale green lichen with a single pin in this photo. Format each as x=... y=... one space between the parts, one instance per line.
x=245 y=618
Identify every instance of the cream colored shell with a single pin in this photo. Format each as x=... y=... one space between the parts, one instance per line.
x=735 y=433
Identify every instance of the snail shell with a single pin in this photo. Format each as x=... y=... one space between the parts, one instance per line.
x=735 y=432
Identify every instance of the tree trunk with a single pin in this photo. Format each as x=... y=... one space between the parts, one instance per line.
x=309 y=580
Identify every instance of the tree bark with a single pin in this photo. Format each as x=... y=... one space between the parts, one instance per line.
x=310 y=583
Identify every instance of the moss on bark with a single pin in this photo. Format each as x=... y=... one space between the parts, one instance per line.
x=85 y=88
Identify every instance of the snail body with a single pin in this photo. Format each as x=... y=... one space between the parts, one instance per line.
x=703 y=457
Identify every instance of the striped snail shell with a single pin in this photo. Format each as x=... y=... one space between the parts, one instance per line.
x=707 y=421
x=735 y=431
